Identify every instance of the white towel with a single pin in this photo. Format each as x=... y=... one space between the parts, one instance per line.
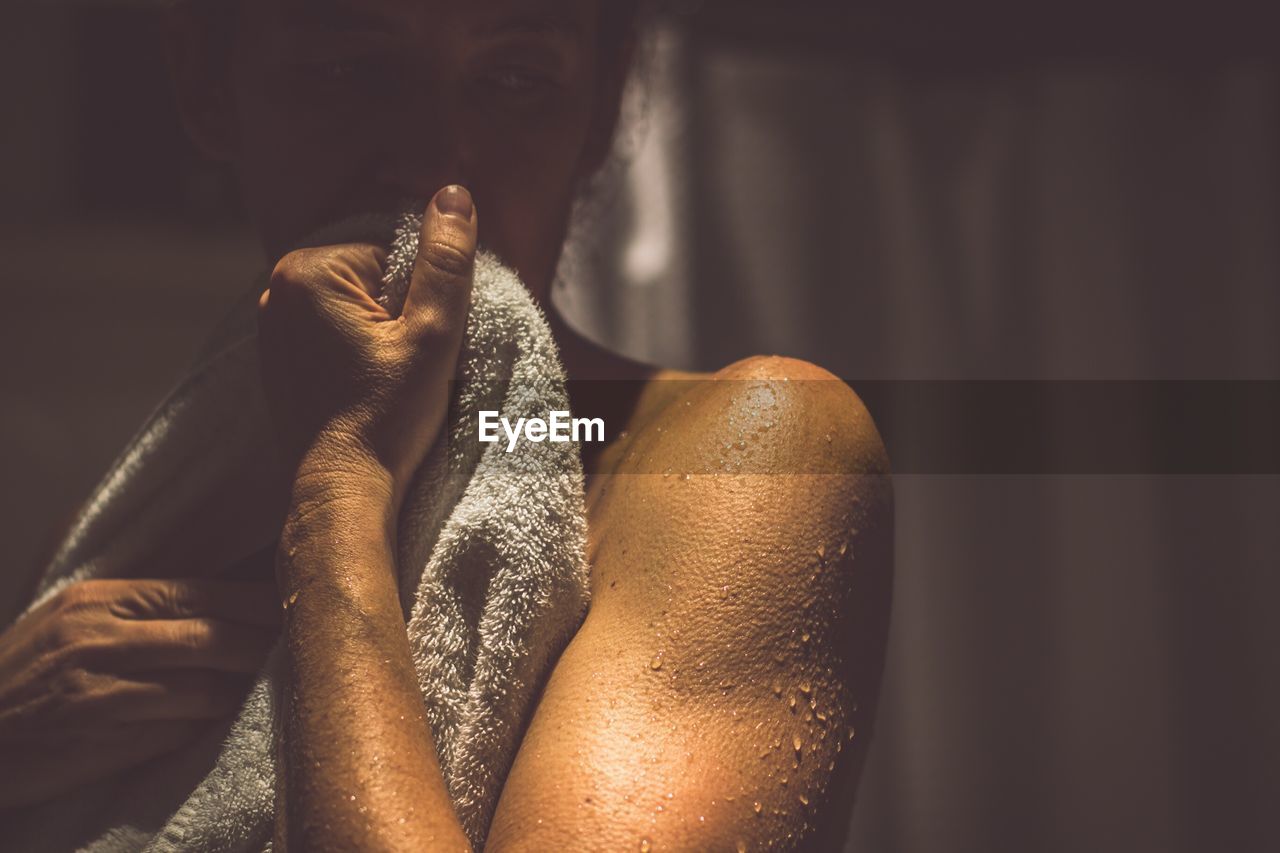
x=493 y=573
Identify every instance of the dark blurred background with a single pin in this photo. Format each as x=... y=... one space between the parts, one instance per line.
x=966 y=191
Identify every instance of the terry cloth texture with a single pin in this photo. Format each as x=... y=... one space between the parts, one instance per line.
x=493 y=574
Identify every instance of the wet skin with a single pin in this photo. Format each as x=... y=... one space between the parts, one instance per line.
x=716 y=694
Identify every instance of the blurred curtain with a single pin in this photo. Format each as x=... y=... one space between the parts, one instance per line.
x=1077 y=663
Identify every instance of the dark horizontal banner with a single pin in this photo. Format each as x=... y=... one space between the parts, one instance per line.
x=928 y=427
x=1078 y=427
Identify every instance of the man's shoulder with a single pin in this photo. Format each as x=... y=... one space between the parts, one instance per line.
x=764 y=414
x=765 y=482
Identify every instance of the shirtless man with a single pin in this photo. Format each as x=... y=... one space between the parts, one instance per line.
x=718 y=694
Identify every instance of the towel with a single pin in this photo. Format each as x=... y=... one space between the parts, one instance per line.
x=491 y=561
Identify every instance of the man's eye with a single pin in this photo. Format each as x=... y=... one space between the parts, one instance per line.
x=518 y=81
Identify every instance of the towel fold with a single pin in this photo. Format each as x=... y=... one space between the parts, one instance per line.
x=492 y=567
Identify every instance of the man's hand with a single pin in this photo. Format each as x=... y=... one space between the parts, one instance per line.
x=111 y=673
x=358 y=394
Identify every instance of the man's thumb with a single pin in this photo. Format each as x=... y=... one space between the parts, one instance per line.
x=440 y=289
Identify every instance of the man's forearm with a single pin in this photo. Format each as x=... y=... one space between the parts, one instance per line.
x=361 y=767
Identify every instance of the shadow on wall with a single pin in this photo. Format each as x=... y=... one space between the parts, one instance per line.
x=1077 y=662
x=121 y=250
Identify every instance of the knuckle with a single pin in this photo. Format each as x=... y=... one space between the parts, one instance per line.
x=195 y=633
x=284 y=278
x=291 y=270
x=446 y=259
x=292 y=279
x=73 y=683
x=78 y=596
x=70 y=643
x=174 y=598
x=63 y=639
x=355 y=262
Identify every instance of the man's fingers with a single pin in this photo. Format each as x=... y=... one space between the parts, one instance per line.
x=440 y=290
x=352 y=272
x=189 y=644
x=246 y=602
x=193 y=694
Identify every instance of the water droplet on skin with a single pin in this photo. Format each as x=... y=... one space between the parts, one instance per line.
x=293 y=599
x=757 y=808
x=844 y=547
x=791 y=703
x=671 y=795
x=656 y=663
x=777 y=689
x=784 y=780
x=831 y=766
x=822 y=717
x=806 y=688
x=822 y=551
x=828 y=438
x=742 y=846
x=804 y=638
x=796 y=742
x=804 y=799
x=645 y=846
x=851 y=732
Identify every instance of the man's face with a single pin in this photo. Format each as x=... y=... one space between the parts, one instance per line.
x=345 y=107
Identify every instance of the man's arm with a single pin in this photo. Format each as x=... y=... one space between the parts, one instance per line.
x=359 y=395
x=361 y=766
x=716 y=691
